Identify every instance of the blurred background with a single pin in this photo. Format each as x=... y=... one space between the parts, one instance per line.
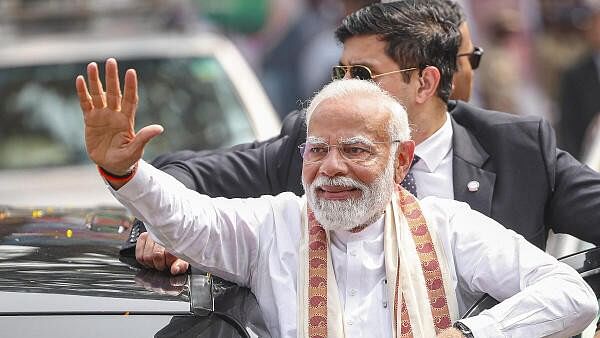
x=532 y=47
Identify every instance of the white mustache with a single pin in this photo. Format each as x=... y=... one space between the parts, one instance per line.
x=338 y=181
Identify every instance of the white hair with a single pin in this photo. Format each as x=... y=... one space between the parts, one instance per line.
x=398 y=128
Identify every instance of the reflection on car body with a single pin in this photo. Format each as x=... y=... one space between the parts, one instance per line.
x=58 y=272
x=197 y=86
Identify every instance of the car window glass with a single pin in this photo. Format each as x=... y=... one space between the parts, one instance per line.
x=191 y=97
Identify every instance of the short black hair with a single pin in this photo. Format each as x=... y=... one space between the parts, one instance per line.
x=452 y=11
x=417 y=34
x=449 y=10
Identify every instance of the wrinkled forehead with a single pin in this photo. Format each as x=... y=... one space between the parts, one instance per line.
x=348 y=117
x=347 y=140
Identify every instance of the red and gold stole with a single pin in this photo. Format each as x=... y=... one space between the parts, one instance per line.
x=415 y=267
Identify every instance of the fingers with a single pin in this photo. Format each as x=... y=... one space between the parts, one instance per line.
x=150 y=254
x=177 y=266
x=144 y=249
x=180 y=266
x=154 y=256
x=158 y=258
x=96 y=90
x=113 y=99
x=170 y=259
x=113 y=88
x=146 y=134
x=142 y=138
x=85 y=100
x=130 y=95
x=139 y=248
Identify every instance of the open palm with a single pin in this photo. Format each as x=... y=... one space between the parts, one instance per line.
x=109 y=118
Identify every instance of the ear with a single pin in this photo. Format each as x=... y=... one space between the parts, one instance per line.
x=404 y=158
x=429 y=81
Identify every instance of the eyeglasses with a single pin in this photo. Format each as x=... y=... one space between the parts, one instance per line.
x=361 y=72
x=474 y=57
x=357 y=152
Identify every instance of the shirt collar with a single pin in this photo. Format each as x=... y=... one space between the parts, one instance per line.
x=370 y=232
x=435 y=148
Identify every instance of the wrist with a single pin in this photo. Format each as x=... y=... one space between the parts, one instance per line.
x=121 y=178
x=464 y=329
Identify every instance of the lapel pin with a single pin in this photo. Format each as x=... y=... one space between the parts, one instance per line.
x=473 y=186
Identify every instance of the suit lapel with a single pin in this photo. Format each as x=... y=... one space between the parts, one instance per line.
x=467 y=162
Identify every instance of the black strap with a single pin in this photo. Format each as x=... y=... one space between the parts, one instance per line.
x=128 y=248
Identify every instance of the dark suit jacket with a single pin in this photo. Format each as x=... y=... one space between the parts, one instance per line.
x=526 y=183
x=579 y=102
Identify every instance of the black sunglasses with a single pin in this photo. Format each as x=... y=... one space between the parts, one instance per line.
x=361 y=72
x=474 y=57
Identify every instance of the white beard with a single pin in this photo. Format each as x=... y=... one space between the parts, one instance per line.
x=351 y=213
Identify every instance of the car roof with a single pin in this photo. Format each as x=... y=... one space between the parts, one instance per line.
x=66 y=263
x=67 y=260
x=52 y=49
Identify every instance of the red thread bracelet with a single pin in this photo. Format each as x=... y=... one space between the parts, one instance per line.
x=111 y=177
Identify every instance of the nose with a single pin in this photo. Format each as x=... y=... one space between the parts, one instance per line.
x=347 y=74
x=333 y=164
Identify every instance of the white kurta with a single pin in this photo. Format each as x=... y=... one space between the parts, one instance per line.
x=254 y=242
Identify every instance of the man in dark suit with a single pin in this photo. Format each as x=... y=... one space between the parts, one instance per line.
x=580 y=89
x=504 y=166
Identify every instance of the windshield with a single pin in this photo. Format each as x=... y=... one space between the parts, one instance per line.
x=192 y=98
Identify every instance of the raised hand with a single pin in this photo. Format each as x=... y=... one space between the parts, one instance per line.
x=109 y=117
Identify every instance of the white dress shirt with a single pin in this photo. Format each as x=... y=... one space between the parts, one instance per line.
x=433 y=173
x=254 y=242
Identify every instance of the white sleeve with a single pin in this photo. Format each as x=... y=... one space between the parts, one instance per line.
x=539 y=296
x=218 y=235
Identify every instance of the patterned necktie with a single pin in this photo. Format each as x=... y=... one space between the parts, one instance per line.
x=409 y=182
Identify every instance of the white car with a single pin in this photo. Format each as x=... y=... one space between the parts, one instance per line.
x=197 y=86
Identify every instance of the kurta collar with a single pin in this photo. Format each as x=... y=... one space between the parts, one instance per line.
x=370 y=232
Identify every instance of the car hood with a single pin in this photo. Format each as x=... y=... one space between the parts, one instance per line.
x=56 y=261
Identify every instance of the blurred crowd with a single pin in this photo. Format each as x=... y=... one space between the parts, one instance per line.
x=541 y=56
